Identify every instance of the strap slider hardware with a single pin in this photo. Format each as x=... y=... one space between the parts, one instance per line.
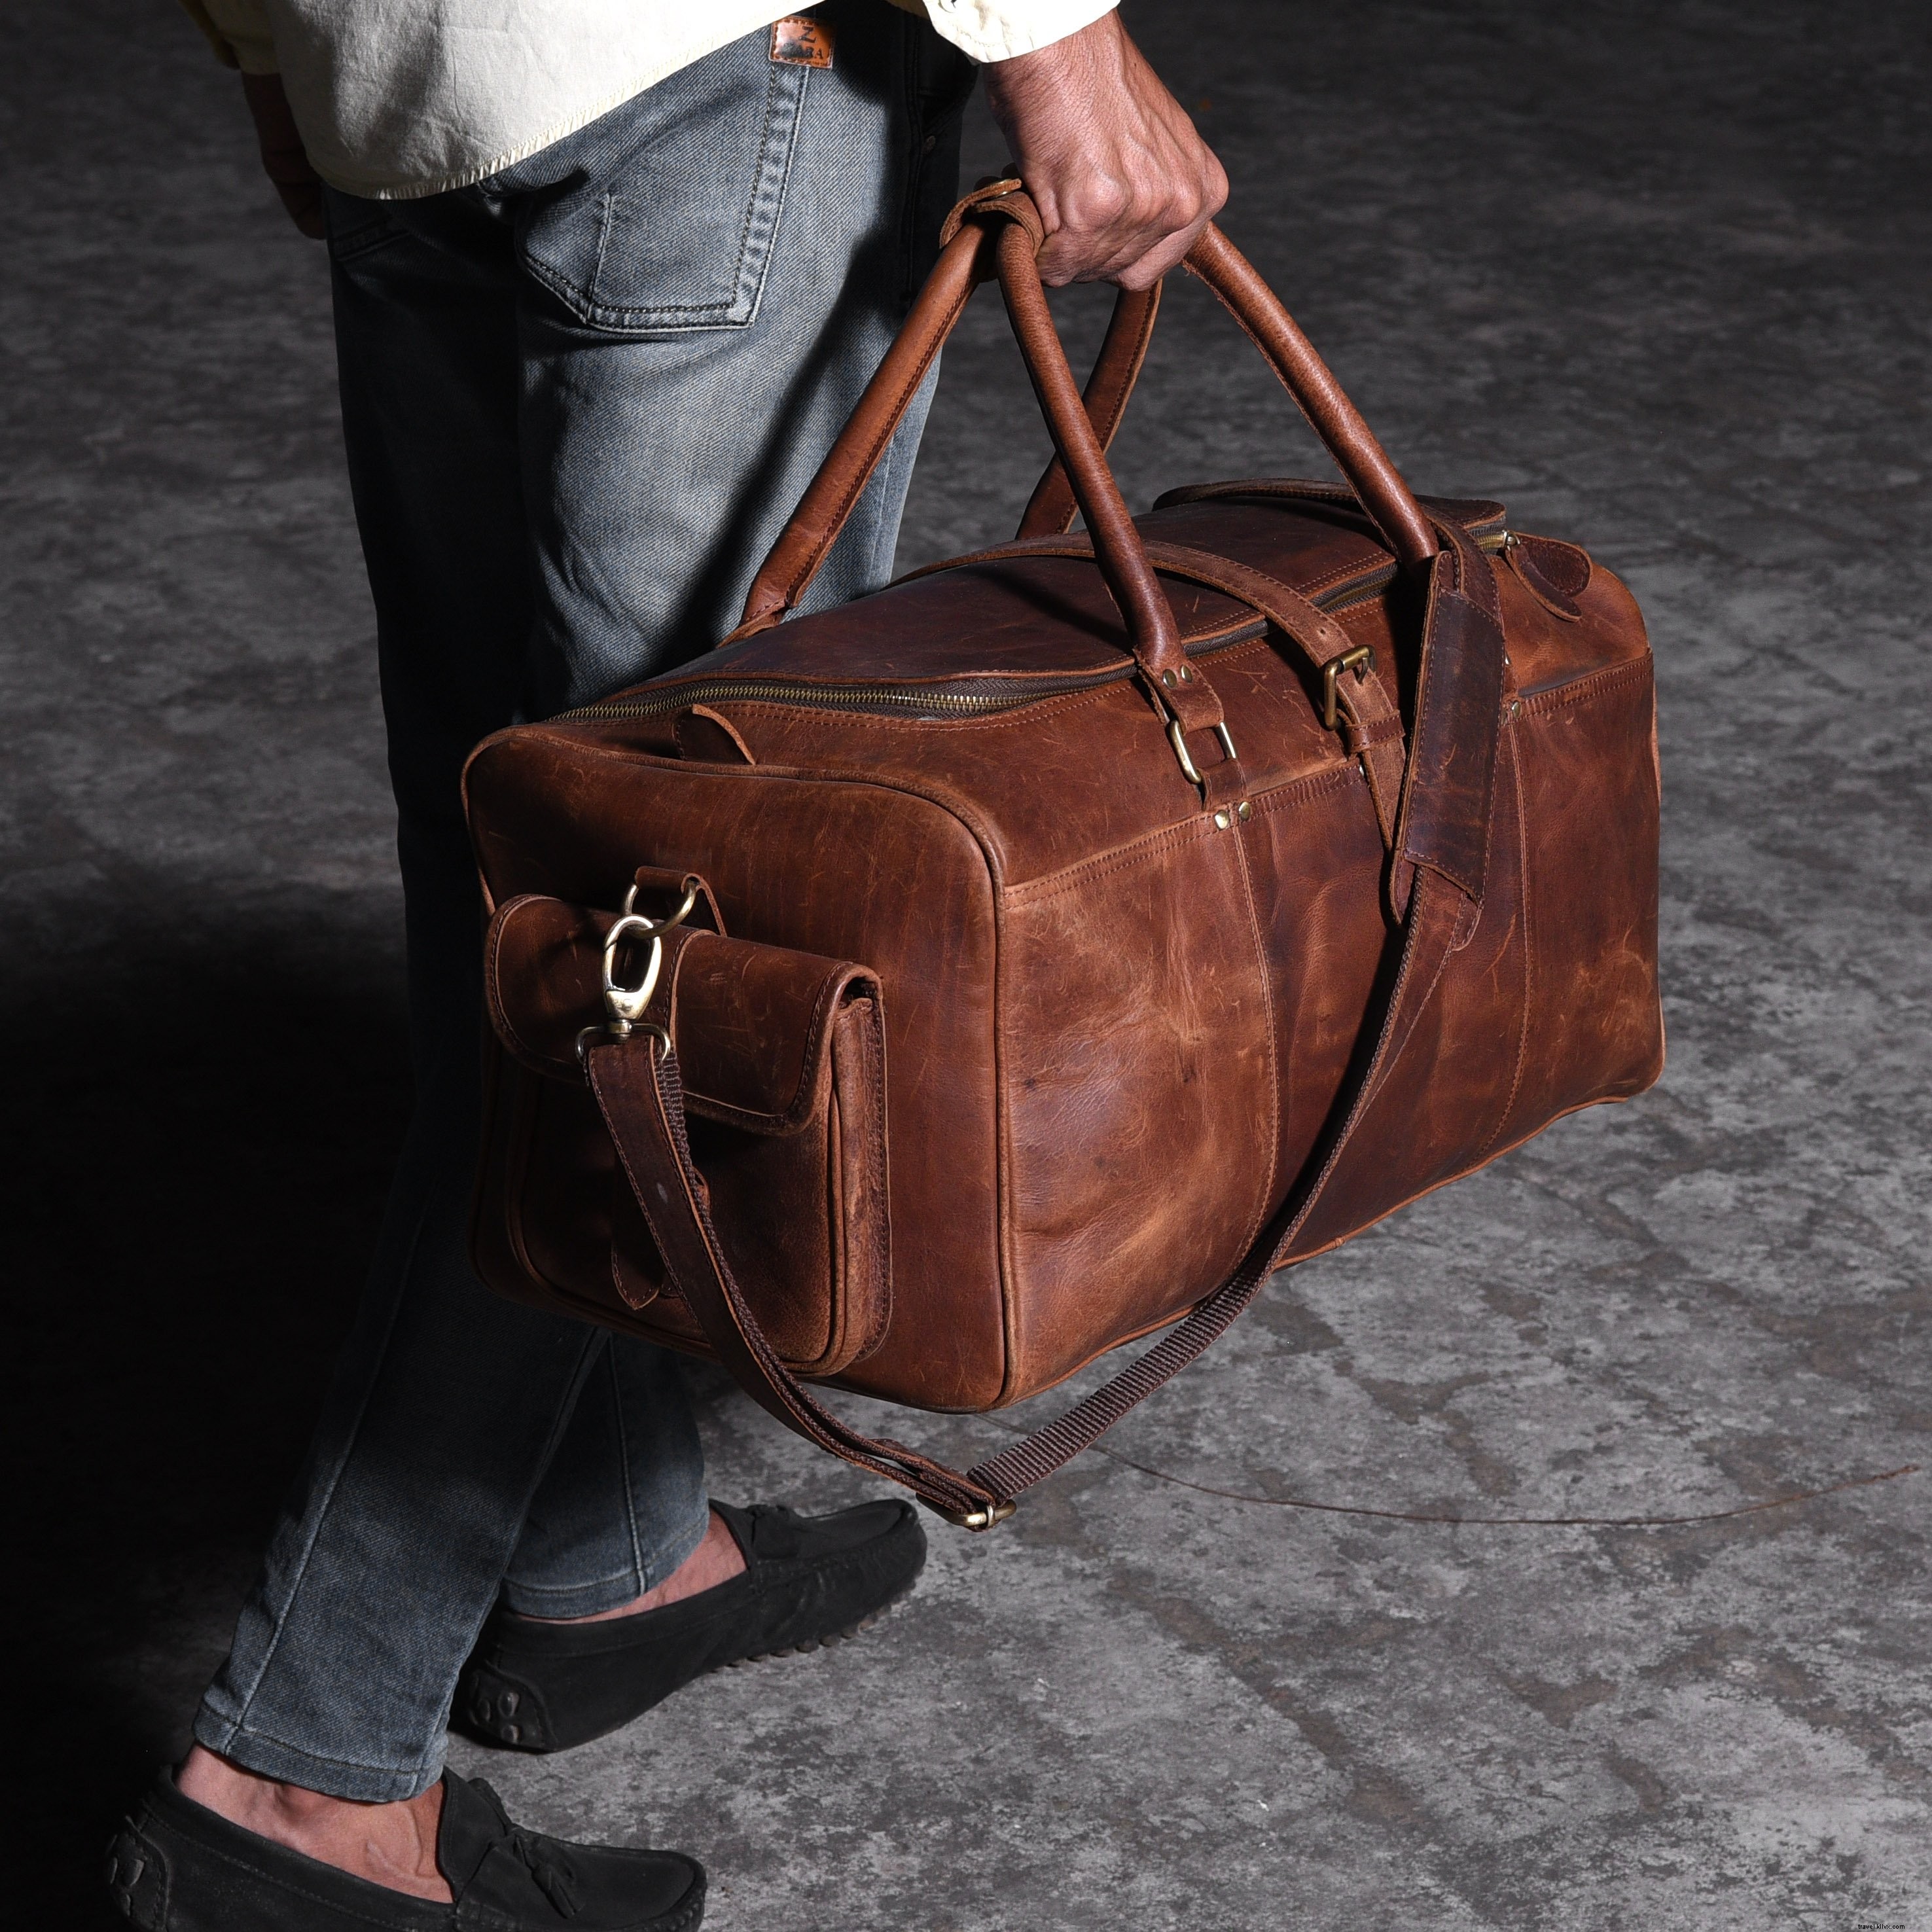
x=1177 y=737
x=988 y=1516
x=1361 y=660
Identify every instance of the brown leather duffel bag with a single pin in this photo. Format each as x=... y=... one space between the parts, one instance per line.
x=927 y=995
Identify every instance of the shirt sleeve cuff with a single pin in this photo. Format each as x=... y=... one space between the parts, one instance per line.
x=238 y=30
x=998 y=30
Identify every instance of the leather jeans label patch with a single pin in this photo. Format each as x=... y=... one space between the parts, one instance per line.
x=799 y=40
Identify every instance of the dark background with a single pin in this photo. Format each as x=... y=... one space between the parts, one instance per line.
x=1656 y=275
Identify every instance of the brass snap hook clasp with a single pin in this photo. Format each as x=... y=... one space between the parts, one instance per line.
x=624 y=1006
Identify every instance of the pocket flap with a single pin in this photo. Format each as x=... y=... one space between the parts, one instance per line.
x=752 y=1023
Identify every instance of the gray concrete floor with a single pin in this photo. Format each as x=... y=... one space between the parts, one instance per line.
x=1659 y=277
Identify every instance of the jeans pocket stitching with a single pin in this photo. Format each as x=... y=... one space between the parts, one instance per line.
x=374 y=233
x=784 y=106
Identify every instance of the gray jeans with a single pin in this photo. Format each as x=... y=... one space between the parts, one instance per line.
x=579 y=399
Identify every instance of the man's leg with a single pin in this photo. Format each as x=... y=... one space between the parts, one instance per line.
x=655 y=458
x=447 y=1402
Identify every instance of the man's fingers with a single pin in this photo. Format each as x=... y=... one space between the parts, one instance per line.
x=303 y=200
x=1124 y=181
x=1134 y=256
x=1157 y=262
x=284 y=160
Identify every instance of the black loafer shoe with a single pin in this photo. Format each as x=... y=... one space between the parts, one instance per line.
x=808 y=1580
x=176 y=1867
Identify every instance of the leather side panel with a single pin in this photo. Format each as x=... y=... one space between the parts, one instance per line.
x=1316 y=858
x=1137 y=1058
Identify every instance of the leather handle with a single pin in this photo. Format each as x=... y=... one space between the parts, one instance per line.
x=807 y=538
x=1377 y=483
x=1050 y=510
x=1152 y=632
x=970 y=241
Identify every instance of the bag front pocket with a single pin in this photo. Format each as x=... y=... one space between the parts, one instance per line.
x=783 y=1055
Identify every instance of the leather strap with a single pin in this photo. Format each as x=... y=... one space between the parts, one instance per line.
x=1444 y=821
x=1179 y=690
x=1050 y=510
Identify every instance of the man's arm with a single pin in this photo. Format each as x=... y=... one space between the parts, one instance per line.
x=238 y=30
x=1123 y=181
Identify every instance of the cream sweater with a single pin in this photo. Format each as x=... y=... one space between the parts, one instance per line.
x=397 y=98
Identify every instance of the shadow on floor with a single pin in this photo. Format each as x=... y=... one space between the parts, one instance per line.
x=197 y=1143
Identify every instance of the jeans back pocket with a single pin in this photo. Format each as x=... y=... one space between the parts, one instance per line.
x=659 y=218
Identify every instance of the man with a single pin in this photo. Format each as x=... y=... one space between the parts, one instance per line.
x=609 y=275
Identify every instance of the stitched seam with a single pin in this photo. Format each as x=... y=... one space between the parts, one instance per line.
x=645 y=1582
x=1297 y=791
x=882 y=1256
x=1582 y=690
x=577 y=1589
x=314 y=1756
x=735 y=309
x=758 y=175
x=955 y=808
x=1303 y=790
x=1152 y=846
x=1252 y=1232
x=241 y=1720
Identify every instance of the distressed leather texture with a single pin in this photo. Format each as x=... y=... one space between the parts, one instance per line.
x=1024 y=1043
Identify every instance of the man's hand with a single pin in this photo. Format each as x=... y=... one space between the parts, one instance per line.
x=284 y=159
x=1122 y=180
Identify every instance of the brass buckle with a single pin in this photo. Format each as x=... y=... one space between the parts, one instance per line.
x=988 y=1516
x=1360 y=660
x=1178 y=739
x=624 y=1006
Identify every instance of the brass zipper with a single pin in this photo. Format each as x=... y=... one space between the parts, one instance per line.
x=923 y=700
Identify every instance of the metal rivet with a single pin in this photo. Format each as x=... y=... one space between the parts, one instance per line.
x=1221 y=821
x=1506 y=658
x=1514 y=707
x=1187 y=675
x=1244 y=811
x=1167 y=678
x=508 y=1703
x=511 y=1734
